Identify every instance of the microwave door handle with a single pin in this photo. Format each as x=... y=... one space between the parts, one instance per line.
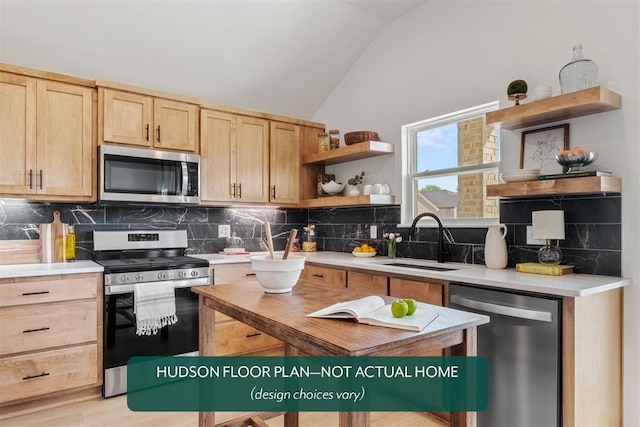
x=520 y=313
x=185 y=178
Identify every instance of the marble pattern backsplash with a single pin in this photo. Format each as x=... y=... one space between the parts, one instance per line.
x=592 y=243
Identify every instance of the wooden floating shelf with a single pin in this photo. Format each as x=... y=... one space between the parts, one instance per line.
x=361 y=150
x=583 y=185
x=563 y=107
x=345 y=201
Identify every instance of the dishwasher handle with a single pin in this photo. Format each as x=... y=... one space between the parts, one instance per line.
x=520 y=313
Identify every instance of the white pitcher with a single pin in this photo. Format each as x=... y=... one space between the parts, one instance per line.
x=495 y=247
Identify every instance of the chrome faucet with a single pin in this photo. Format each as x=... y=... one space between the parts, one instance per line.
x=412 y=232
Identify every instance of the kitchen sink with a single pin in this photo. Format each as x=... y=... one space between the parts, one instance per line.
x=421 y=267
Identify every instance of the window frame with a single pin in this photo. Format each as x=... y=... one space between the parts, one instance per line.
x=409 y=161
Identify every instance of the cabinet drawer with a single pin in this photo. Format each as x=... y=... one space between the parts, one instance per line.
x=324 y=276
x=50 y=371
x=430 y=293
x=365 y=282
x=47 y=289
x=235 y=273
x=36 y=327
x=235 y=338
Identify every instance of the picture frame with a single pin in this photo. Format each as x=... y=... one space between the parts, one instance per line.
x=539 y=147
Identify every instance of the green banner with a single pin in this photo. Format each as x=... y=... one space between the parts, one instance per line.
x=294 y=384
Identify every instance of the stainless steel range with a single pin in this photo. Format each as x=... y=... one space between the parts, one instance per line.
x=151 y=256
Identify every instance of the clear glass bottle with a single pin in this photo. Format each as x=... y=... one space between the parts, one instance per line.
x=309 y=243
x=323 y=142
x=334 y=139
x=580 y=73
x=70 y=244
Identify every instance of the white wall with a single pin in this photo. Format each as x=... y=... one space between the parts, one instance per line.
x=450 y=55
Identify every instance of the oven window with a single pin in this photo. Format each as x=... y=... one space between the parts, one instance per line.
x=121 y=341
x=142 y=176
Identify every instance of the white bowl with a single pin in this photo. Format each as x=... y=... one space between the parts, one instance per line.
x=333 y=187
x=520 y=175
x=363 y=254
x=277 y=276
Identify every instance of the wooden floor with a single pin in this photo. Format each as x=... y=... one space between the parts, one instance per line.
x=114 y=412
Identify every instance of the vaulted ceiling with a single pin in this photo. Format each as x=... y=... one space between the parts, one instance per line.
x=278 y=56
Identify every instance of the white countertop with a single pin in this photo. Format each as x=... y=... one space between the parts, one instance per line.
x=49 y=269
x=572 y=285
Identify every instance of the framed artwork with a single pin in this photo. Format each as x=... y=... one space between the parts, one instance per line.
x=539 y=148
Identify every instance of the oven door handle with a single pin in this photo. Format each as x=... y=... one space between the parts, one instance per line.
x=177 y=284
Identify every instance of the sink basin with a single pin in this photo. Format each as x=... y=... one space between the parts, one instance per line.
x=421 y=267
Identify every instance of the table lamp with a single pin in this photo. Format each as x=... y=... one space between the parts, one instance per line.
x=548 y=225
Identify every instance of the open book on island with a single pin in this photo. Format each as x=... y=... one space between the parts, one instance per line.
x=373 y=310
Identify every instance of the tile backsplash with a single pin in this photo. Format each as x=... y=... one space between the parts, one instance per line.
x=592 y=243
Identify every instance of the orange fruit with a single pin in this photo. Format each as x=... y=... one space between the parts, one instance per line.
x=564 y=152
x=578 y=149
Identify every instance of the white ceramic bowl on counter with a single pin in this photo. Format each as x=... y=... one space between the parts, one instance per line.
x=277 y=276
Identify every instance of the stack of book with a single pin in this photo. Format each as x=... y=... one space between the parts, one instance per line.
x=574 y=175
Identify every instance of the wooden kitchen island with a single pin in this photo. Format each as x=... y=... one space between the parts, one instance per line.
x=283 y=316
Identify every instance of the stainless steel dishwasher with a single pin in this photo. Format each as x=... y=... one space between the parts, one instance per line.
x=522 y=344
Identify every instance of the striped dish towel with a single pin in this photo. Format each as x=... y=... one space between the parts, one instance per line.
x=154 y=305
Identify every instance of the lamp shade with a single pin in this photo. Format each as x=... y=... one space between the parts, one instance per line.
x=548 y=225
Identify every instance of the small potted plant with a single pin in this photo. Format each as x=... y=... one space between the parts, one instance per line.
x=353 y=190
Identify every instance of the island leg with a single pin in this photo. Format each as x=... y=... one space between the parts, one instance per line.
x=468 y=347
x=206 y=347
x=291 y=418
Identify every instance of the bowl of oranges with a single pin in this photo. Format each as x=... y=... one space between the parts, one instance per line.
x=576 y=158
x=364 y=251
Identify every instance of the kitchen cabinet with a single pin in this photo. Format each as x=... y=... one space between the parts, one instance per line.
x=43 y=352
x=431 y=293
x=367 y=282
x=234 y=158
x=327 y=276
x=140 y=119
x=284 y=163
x=46 y=139
x=233 y=337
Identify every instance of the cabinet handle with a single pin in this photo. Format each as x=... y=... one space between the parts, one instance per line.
x=44 y=328
x=317 y=275
x=30 y=377
x=273 y=192
x=41 y=179
x=239 y=191
x=30 y=179
x=35 y=293
x=147 y=131
x=255 y=334
x=158 y=133
x=250 y=274
x=233 y=190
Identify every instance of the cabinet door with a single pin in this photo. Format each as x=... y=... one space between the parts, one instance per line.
x=127 y=118
x=284 y=163
x=175 y=125
x=65 y=146
x=430 y=293
x=365 y=282
x=252 y=160
x=326 y=276
x=17 y=134
x=217 y=160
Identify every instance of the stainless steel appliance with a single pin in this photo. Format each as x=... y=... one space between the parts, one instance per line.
x=153 y=256
x=522 y=344
x=148 y=176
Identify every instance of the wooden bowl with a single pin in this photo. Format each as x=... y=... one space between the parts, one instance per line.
x=360 y=136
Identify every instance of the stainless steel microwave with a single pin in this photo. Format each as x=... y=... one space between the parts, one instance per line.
x=148 y=176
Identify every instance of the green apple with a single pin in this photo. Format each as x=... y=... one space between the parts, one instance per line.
x=399 y=308
x=412 y=304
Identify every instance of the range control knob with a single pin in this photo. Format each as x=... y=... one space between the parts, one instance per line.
x=194 y=273
x=182 y=274
x=124 y=279
x=162 y=276
x=139 y=277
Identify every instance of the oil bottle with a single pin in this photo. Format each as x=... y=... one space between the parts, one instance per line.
x=70 y=244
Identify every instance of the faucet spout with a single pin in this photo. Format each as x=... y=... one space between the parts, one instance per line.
x=412 y=232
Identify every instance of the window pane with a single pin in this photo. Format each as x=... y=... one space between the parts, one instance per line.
x=437 y=148
x=457 y=196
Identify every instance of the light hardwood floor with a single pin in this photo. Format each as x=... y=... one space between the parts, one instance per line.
x=114 y=412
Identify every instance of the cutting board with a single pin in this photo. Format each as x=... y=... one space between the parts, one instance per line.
x=52 y=239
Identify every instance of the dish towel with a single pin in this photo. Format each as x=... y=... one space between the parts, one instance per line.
x=154 y=305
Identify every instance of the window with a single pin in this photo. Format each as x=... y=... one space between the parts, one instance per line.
x=447 y=162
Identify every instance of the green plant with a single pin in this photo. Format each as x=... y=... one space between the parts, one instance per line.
x=358 y=179
x=516 y=87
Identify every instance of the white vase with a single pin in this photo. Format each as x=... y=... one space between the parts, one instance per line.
x=352 y=190
x=495 y=247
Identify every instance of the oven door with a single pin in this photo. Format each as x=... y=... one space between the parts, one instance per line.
x=121 y=341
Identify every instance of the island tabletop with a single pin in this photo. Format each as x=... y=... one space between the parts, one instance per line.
x=283 y=316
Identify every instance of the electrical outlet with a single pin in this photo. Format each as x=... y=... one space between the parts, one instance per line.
x=531 y=240
x=373 y=232
x=224 y=230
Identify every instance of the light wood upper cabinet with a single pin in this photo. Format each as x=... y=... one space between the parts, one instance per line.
x=284 y=163
x=46 y=137
x=234 y=157
x=146 y=121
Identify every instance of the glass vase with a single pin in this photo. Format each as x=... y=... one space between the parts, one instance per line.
x=580 y=73
x=391 y=249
